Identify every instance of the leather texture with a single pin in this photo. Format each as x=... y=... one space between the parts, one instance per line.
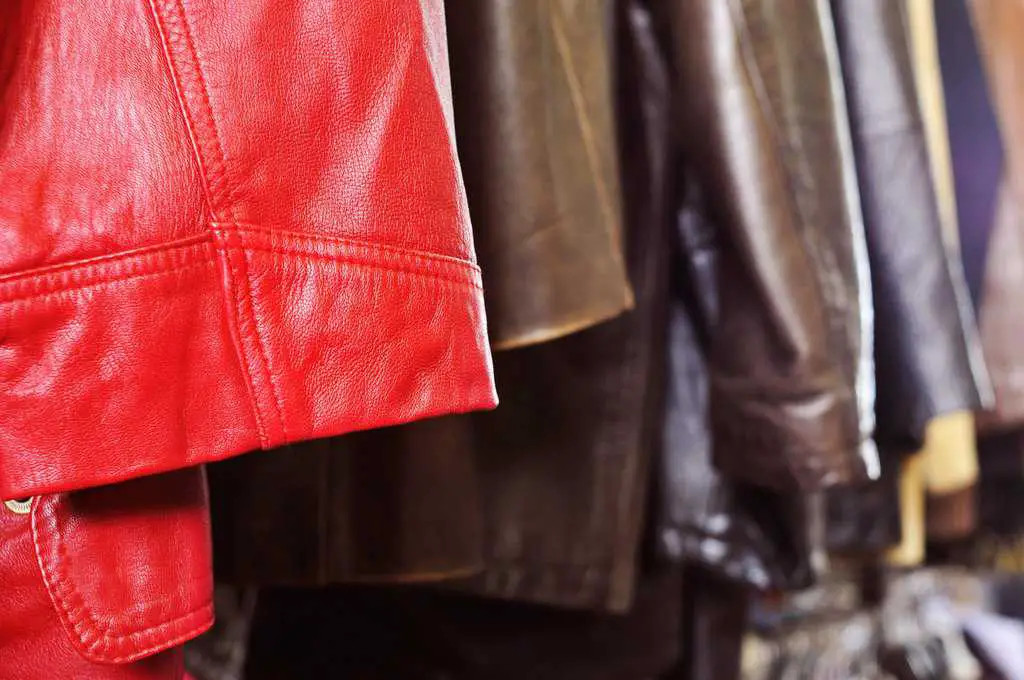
x=211 y=251
x=754 y=536
x=791 y=382
x=535 y=129
x=926 y=342
x=564 y=461
x=928 y=355
x=975 y=141
x=1000 y=27
x=399 y=504
x=106 y=583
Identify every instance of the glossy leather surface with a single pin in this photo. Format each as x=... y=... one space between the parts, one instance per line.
x=206 y=250
x=1000 y=27
x=97 y=584
x=535 y=130
x=926 y=342
x=752 y=536
x=534 y=126
x=791 y=365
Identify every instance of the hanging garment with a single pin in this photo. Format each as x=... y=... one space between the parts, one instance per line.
x=950 y=475
x=926 y=343
x=210 y=256
x=206 y=251
x=534 y=123
x=564 y=462
x=925 y=334
x=742 y=533
x=1000 y=28
x=399 y=504
x=792 y=379
x=535 y=128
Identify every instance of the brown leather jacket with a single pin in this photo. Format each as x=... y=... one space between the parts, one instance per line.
x=792 y=393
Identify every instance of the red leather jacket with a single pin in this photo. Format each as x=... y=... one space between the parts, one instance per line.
x=223 y=226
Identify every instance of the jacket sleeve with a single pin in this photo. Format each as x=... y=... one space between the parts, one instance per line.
x=926 y=340
x=225 y=229
x=764 y=126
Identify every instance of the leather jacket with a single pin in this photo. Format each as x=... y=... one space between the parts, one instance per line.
x=926 y=345
x=533 y=123
x=734 y=523
x=564 y=462
x=791 y=382
x=928 y=356
x=535 y=129
x=205 y=251
x=1000 y=26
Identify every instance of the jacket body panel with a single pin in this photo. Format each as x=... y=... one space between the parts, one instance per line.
x=396 y=505
x=564 y=464
x=308 y=236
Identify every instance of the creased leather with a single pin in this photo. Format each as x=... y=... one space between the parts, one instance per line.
x=226 y=229
x=106 y=583
x=922 y=326
x=535 y=129
x=791 y=372
x=1000 y=27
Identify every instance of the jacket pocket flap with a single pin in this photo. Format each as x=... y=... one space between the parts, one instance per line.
x=128 y=567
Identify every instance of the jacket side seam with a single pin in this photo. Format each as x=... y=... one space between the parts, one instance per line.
x=243 y=298
x=179 y=51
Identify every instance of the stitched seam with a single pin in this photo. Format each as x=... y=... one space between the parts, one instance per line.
x=261 y=348
x=215 y=153
x=191 y=243
x=163 y=269
x=61 y=589
x=248 y=227
x=179 y=91
x=242 y=299
x=363 y=265
x=73 y=292
x=74 y=278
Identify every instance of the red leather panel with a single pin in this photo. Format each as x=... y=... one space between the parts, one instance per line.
x=225 y=226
